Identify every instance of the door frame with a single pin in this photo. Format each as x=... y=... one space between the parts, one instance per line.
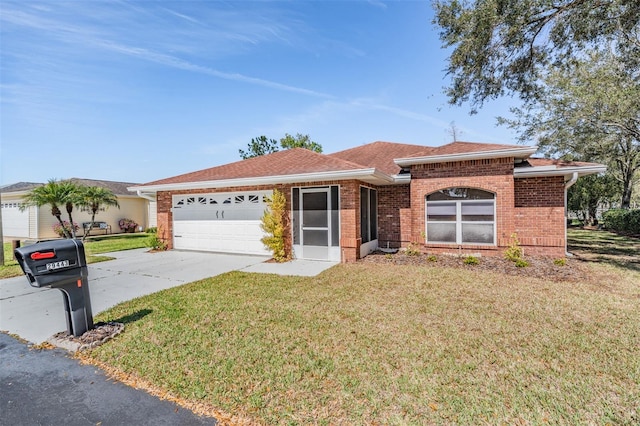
x=332 y=252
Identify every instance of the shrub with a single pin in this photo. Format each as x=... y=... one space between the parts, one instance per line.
x=413 y=249
x=155 y=242
x=471 y=260
x=127 y=225
x=621 y=220
x=521 y=263
x=151 y=230
x=432 y=258
x=514 y=252
x=57 y=228
x=560 y=262
x=274 y=224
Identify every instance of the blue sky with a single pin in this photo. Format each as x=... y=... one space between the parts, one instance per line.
x=139 y=91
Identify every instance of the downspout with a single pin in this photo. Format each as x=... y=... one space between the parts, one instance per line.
x=567 y=185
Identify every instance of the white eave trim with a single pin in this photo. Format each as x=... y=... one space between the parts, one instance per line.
x=523 y=152
x=368 y=175
x=557 y=171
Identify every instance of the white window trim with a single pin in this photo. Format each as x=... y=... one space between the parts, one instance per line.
x=458 y=222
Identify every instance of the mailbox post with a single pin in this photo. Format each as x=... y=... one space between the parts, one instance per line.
x=61 y=264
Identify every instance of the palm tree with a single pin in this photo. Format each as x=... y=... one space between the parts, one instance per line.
x=72 y=197
x=93 y=198
x=55 y=194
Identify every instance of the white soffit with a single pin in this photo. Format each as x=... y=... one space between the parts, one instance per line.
x=542 y=171
x=372 y=176
x=518 y=152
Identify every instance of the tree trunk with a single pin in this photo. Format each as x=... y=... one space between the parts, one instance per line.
x=93 y=217
x=73 y=228
x=64 y=229
x=626 y=195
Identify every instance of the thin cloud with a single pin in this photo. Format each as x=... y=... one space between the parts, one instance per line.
x=365 y=103
x=182 y=16
x=175 y=62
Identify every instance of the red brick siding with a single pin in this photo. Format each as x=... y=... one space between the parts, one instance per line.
x=539 y=192
x=350 y=240
x=493 y=175
x=394 y=216
x=540 y=215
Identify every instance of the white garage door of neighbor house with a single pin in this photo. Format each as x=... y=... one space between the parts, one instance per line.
x=15 y=223
x=221 y=222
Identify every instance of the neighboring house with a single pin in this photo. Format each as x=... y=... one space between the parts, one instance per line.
x=460 y=198
x=37 y=222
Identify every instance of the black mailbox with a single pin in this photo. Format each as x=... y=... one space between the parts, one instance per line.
x=61 y=264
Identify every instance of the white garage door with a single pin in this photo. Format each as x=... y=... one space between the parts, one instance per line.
x=15 y=223
x=222 y=222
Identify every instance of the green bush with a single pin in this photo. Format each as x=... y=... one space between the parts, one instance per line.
x=471 y=260
x=413 y=249
x=155 y=242
x=621 y=220
x=514 y=252
x=274 y=224
x=560 y=262
x=151 y=230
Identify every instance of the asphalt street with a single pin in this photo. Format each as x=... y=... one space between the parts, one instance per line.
x=47 y=387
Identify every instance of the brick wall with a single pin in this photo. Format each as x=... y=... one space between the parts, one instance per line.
x=394 y=216
x=493 y=175
x=540 y=192
x=540 y=215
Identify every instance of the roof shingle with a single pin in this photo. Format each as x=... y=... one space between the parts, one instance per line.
x=281 y=163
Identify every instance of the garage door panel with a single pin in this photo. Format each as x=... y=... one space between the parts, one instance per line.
x=223 y=222
x=15 y=223
x=229 y=236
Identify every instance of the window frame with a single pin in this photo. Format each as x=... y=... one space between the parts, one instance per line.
x=459 y=222
x=370 y=215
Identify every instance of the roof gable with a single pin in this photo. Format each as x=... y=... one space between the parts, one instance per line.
x=380 y=155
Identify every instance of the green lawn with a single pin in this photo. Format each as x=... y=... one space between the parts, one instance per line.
x=385 y=344
x=93 y=247
x=605 y=247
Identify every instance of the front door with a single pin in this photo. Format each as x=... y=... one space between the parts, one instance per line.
x=315 y=217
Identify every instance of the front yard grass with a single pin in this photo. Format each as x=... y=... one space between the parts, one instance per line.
x=605 y=247
x=386 y=344
x=93 y=247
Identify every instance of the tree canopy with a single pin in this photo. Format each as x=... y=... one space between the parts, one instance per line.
x=94 y=198
x=505 y=46
x=263 y=145
x=55 y=194
x=588 y=109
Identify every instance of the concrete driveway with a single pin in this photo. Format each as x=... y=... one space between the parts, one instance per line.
x=36 y=314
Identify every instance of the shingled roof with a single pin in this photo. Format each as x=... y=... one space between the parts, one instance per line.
x=380 y=155
x=118 y=188
x=282 y=163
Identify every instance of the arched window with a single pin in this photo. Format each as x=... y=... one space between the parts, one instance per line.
x=461 y=216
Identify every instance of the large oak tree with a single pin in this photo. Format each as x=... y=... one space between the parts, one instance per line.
x=504 y=47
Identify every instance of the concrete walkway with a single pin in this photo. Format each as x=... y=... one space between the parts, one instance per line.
x=35 y=314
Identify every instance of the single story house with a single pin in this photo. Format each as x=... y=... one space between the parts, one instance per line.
x=36 y=223
x=461 y=197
